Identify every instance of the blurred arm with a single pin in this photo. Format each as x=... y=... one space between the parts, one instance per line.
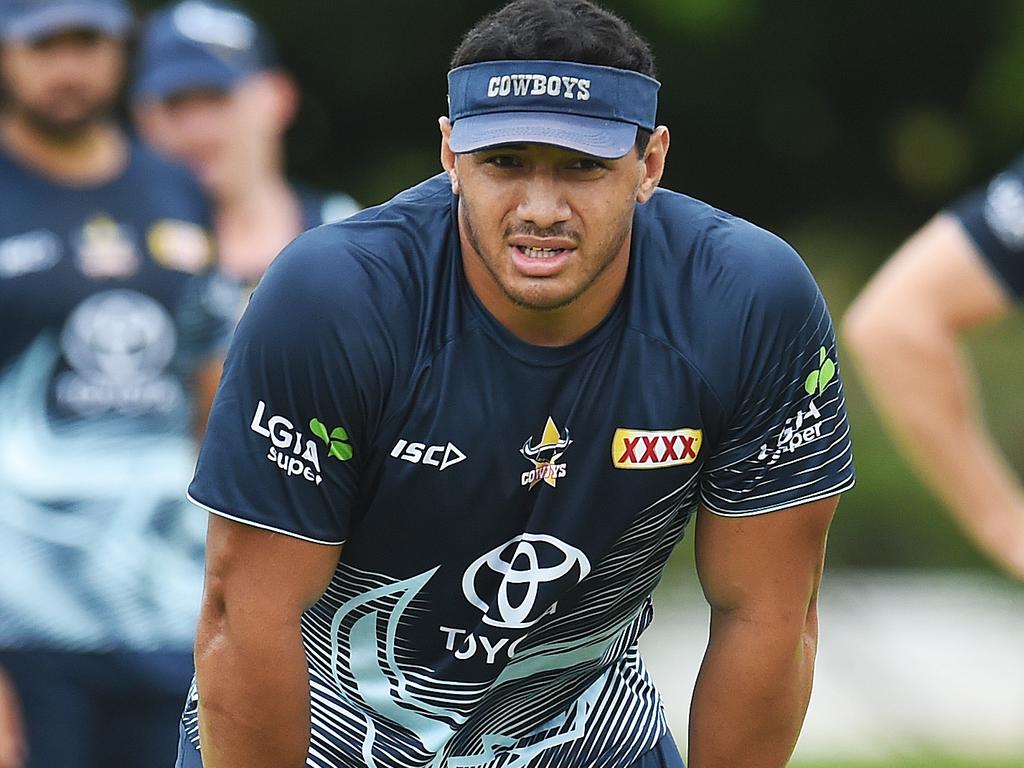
x=760 y=575
x=250 y=663
x=13 y=750
x=206 y=381
x=903 y=332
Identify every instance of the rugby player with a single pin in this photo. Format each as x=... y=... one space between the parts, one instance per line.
x=209 y=92
x=112 y=336
x=459 y=435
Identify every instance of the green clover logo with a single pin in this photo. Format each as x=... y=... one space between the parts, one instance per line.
x=336 y=440
x=820 y=378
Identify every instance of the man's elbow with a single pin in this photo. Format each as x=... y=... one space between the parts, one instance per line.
x=809 y=633
x=211 y=630
x=883 y=328
x=788 y=626
x=866 y=327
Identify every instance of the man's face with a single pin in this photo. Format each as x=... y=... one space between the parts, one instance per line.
x=63 y=83
x=547 y=224
x=220 y=134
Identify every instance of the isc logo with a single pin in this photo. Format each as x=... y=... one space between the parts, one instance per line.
x=636 y=449
x=439 y=456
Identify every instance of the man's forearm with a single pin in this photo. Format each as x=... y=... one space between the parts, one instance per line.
x=253 y=693
x=751 y=694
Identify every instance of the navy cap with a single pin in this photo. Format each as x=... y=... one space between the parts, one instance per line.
x=583 y=107
x=198 y=44
x=35 y=19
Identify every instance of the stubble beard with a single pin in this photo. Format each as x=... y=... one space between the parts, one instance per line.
x=524 y=302
x=60 y=130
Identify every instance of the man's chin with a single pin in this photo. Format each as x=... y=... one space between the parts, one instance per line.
x=541 y=301
x=62 y=128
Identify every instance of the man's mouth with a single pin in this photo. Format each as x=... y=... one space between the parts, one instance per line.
x=541 y=253
x=541 y=261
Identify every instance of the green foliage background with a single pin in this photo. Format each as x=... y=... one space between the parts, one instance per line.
x=841 y=126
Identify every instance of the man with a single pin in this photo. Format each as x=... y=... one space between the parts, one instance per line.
x=459 y=435
x=209 y=92
x=963 y=269
x=111 y=334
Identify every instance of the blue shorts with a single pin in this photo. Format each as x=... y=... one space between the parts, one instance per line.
x=96 y=710
x=664 y=755
x=188 y=755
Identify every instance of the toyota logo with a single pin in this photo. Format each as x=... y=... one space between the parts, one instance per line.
x=523 y=565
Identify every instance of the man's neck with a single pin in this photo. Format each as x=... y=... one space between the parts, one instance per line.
x=255 y=224
x=547 y=328
x=97 y=154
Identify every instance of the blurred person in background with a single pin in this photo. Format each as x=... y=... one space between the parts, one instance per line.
x=209 y=92
x=961 y=270
x=112 y=332
x=459 y=435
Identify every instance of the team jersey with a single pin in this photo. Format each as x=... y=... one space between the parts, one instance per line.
x=994 y=219
x=507 y=510
x=106 y=313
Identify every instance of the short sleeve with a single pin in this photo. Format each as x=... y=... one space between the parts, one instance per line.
x=993 y=218
x=786 y=439
x=285 y=439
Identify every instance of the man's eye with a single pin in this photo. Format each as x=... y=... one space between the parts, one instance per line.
x=504 y=161
x=586 y=164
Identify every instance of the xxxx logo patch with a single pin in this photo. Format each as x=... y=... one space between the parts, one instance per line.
x=637 y=449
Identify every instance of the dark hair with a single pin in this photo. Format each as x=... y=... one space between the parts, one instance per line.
x=557 y=30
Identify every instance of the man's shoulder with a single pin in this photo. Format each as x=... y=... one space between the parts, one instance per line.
x=714 y=287
x=381 y=257
x=163 y=178
x=403 y=235
x=428 y=203
x=992 y=216
x=701 y=254
x=8 y=166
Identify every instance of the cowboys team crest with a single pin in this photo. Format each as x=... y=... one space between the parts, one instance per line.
x=545 y=456
x=106 y=249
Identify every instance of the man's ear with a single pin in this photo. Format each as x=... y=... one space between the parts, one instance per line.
x=282 y=98
x=447 y=156
x=653 y=164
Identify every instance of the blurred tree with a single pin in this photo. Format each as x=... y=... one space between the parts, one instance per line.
x=780 y=108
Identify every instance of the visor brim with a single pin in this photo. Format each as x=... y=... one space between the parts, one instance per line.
x=175 y=77
x=607 y=139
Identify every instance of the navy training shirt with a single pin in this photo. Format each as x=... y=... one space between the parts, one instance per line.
x=993 y=217
x=107 y=310
x=507 y=510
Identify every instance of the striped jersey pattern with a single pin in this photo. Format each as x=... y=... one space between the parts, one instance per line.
x=575 y=693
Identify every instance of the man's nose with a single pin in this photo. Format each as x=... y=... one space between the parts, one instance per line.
x=543 y=201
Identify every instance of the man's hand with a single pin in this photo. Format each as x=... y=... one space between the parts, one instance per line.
x=13 y=749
